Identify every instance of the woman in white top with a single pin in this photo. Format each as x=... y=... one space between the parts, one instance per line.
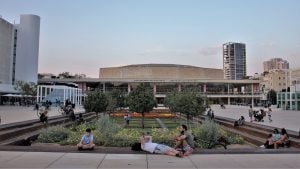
x=149 y=146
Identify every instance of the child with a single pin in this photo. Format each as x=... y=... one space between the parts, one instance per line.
x=86 y=142
x=269 y=114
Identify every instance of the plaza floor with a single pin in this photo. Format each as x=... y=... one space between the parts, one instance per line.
x=144 y=161
x=10 y=114
x=281 y=118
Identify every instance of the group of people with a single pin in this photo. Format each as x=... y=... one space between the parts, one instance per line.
x=184 y=143
x=258 y=115
x=276 y=139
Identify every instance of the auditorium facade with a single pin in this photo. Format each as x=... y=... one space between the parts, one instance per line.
x=165 y=78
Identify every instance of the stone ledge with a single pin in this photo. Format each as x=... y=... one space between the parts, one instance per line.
x=127 y=150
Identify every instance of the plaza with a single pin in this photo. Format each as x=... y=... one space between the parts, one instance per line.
x=281 y=118
x=11 y=114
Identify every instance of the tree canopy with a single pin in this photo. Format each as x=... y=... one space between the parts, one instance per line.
x=272 y=96
x=116 y=99
x=141 y=100
x=96 y=101
x=187 y=102
x=26 y=88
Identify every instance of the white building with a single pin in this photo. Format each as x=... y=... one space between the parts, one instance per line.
x=19 y=50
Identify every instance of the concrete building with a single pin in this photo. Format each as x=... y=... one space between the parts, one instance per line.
x=275 y=64
x=164 y=78
x=19 y=49
x=234 y=60
x=277 y=80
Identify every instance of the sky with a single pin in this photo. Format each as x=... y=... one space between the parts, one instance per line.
x=81 y=36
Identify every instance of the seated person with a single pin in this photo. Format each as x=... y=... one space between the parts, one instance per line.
x=276 y=135
x=185 y=141
x=241 y=121
x=86 y=142
x=270 y=142
x=283 y=138
x=149 y=146
x=43 y=116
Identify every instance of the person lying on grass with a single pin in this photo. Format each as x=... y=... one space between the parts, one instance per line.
x=86 y=142
x=149 y=146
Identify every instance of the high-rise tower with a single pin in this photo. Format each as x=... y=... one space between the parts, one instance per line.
x=234 y=60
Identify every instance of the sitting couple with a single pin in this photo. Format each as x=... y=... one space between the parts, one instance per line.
x=184 y=144
x=276 y=139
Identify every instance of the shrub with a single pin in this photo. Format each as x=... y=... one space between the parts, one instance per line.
x=53 y=134
x=207 y=134
x=231 y=137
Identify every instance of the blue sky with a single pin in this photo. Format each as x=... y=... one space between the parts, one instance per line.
x=80 y=36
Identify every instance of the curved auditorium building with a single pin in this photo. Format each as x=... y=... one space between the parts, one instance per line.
x=161 y=71
x=165 y=78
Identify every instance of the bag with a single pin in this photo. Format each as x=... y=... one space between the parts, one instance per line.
x=136 y=147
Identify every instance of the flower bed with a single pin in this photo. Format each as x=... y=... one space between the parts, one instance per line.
x=147 y=115
x=108 y=133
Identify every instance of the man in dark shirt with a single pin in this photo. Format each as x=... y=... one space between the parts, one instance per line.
x=185 y=141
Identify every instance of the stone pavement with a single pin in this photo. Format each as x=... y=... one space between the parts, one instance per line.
x=281 y=118
x=142 y=161
x=10 y=114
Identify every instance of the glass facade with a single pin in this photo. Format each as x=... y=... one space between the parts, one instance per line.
x=288 y=100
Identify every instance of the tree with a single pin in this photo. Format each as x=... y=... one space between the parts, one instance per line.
x=189 y=103
x=96 y=101
x=65 y=75
x=272 y=96
x=141 y=100
x=26 y=88
x=116 y=99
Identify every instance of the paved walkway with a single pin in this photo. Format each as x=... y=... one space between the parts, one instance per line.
x=143 y=161
x=10 y=114
x=281 y=118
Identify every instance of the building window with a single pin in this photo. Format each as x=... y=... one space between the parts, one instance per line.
x=279 y=84
x=279 y=78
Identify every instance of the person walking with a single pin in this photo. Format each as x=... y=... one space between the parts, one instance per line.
x=251 y=114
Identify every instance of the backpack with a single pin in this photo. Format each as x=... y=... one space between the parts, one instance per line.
x=136 y=147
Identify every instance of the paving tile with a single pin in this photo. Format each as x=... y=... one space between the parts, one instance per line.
x=9 y=155
x=124 y=161
x=78 y=160
x=164 y=161
x=32 y=160
x=247 y=161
